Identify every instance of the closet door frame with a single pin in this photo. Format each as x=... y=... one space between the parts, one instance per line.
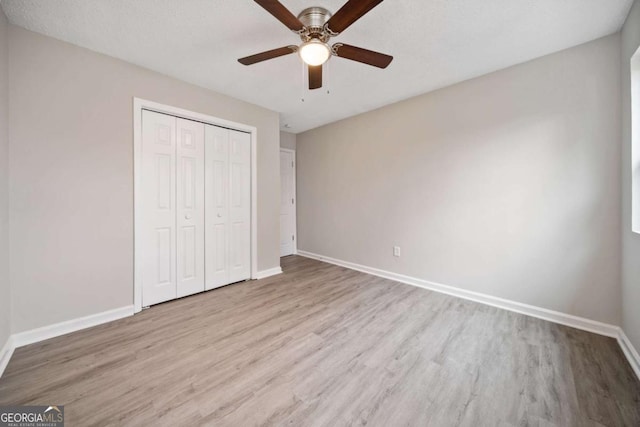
x=142 y=104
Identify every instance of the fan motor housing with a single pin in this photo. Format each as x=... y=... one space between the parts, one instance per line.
x=313 y=19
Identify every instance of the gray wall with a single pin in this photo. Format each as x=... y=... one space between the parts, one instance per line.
x=507 y=184
x=288 y=140
x=630 y=240
x=5 y=298
x=71 y=157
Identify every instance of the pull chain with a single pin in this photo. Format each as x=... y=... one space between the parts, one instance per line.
x=302 y=87
x=327 y=74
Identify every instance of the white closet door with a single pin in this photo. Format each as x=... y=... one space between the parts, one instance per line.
x=239 y=206
x=158 y=208
x=228 y=206
x=190 y=207
x=287 y=207
x=217 y=205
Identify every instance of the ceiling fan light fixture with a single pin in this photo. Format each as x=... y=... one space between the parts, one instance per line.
x=316 y=26
x=314 y=52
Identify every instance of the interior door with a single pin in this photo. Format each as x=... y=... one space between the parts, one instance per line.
x=217 y=206
x=190 y=207
x=196 y=207
x=158 y=208
x=287 y=203
x=239 y=206
x=228 y=206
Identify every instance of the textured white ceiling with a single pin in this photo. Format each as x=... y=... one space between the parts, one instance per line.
x=435 y=43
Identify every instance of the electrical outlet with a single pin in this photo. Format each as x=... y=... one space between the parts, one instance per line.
x=396 y=251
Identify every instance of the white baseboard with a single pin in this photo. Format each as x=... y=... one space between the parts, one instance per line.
x=51 y=331
x=5 y=354
x=530 y=310
x=62 y=328
x=630 y=352
x=577 y=322
x=44 y=333
x=541 y=313
x=268 y=273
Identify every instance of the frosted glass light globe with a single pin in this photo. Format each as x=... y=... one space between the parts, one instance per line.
x=314 y=52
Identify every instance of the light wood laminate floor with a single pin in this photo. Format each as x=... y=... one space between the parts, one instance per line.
x=322 y=345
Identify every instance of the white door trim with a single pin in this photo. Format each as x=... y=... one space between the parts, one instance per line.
x=143 y=104
x=295 y=200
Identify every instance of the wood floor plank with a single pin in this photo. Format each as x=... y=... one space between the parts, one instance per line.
x=321 y=345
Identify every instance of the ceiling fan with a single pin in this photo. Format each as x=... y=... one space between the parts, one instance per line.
x=315 y=26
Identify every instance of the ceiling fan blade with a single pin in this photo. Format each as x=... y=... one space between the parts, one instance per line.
x=359 y=54
x=270 y=54
x=349 y=13
x=315 y=76
x=281 y=13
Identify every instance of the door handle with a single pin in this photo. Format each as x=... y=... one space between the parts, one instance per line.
x=187 y=216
